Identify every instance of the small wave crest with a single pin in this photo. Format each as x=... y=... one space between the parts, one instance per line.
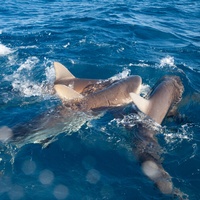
x=5 y=50
x=168 y=62
x=184 y=132
x=125 y=73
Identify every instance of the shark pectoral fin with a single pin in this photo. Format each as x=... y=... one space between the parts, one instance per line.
x=140 y=102
x=62 y=71
x=66 y=93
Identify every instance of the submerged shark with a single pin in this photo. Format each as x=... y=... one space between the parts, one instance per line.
x=165 y=96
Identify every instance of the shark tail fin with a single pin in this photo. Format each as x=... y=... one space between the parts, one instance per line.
x=62 y=71
x=140 y=102
x=66 y=93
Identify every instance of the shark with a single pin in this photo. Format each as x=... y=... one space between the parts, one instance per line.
x=163 y=99
x=92 y=94
x=79 y=97
x=96 y=94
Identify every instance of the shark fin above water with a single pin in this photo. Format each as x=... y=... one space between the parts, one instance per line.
x=66 y=93
x=62 y=72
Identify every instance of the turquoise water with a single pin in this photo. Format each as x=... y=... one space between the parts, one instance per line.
x=90 y=157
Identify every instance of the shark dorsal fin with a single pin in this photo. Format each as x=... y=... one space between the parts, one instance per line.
x=62 y=72
x=66 y=93
x=140 y=102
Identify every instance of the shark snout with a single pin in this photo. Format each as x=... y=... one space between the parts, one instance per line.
x=136 y=83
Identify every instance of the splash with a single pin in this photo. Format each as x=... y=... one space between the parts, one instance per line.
x=50 y=74
x=124 y=74
x=184 y=132
x=133 y=119
x=167 y=61
x=5 y=50
x=23 y=82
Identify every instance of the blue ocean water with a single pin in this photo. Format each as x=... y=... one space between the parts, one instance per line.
x=90 y=156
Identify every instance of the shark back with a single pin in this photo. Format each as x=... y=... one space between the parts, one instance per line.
x=115 y=95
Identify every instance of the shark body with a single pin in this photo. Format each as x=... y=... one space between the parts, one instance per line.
x=165 y=96
x=107 y=94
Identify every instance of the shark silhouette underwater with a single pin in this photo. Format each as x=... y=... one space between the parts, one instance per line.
x=96 y=95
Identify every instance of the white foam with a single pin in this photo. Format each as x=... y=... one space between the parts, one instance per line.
x=167 y=61
x=50 y=74
x=141 y=64
x=27 y=88
x=66 y=45
x=22 y=79
x=125 y=73
x=5 y=50
x=29 y=47
x=183 y=133
x=29 y=64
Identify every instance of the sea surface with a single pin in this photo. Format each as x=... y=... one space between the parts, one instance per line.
x=90 y=157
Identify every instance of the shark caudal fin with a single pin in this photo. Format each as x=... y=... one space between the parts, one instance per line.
x=66 y=93
x=62 y=72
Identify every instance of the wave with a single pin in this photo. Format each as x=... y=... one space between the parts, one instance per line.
x=22 y=79
x=4 y=50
